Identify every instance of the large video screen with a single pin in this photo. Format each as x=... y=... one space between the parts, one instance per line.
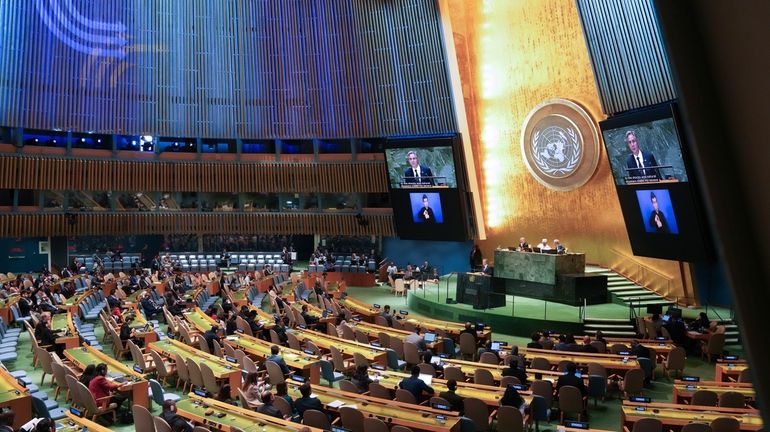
x=647 y=152
x=655 y=190
x=421 y=167
x=425 y=188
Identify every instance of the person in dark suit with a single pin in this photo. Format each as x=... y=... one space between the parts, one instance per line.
x=535 y=343
x=416 y=386
x=455 y=401
x=210 y=336
x=46 y=336
x=514 y=371
x=416 y=173
x=177 y=422
x=560 y=249
x=657 y=220
x=640 y=163
x=425 y=213
x=275 y=356
x=486 y=268
x=570 y=379
x=149 y=306
x=475 y=257
x=267 y=407
x=307 y=402
x=523 y=245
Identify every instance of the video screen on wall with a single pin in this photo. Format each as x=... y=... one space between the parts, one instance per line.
x=424 y=191
x=660 y=207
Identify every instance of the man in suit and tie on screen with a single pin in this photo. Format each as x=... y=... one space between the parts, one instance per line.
x=640 y=163
x=425 y=214
x=416 y=173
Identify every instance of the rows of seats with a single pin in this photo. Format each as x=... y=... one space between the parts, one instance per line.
x=8 y=339
x=204 y=299
x=86 y=332
x=313 y=268
x=87 y=262
x=92 y=305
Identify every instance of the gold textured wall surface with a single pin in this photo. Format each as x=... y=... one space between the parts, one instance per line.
x=512 y=55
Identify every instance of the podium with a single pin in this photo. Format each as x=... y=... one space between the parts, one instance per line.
x=480 y=290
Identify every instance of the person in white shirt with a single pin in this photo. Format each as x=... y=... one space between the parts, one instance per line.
x=543 y=245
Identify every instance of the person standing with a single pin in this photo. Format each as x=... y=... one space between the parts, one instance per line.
x=475 y=258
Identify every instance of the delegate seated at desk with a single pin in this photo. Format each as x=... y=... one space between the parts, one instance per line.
x=486 y=268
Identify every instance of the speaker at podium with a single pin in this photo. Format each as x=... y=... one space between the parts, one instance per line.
x=480 y=290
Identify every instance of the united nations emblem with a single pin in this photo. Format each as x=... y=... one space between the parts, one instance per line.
x=560 y=144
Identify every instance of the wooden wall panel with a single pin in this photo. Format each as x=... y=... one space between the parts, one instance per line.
x=19 y=225
x=43 y=173
x=225 y=68
x=627 y=54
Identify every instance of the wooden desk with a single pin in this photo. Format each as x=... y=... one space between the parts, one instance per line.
x=728 y=371
x=5 y=308
x=69 y=336
x=263 y=317
x=360 y=308
x=223 y=370
x=347 y=347
x=307 y=365
x=491 y=395
x=225 y=417
x=675 y=415
x=683 y=390
x=372 y=331
x=314 y=311
x=73 y=423
x=71 y=304
x=417 y=417
x=82 y=357
x=609 y=361
x=16 y=397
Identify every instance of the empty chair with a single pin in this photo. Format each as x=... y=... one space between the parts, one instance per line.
x=633 y=382
x=597 y=387
x=509 y=419
x=489 y=358
x=540 y=363
x=745 y=376
x=196 y=378
x=455 y=373
x=352 y=419
x=348 y=386
x=714 y=347
x=477 y=410
x=725 y=424
x=570 y=401
x=317 y=419
x=467 y=345
x=209 y=380
x=379 y=391
x=545 y=389
x=274 y=372
x=142 y=418
x=161 y=425
x=696 y=427
x=705 y=398
x=405 y=396
x=399 y=428
x=373 y=424
x=732 y=399
x=675 y=361
x=540 y=410
x=617 y=348
x=328 y=373
x=483 y=377
x=411 y=354
x=648 y=425
x=509 y=380
x=159 y=396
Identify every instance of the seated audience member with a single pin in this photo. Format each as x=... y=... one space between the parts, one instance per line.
x=88 y=374
x=252 y=390
x=471 y=330
x=282 y=391
x=560 y=249
x=280 y=328
x=113 y=299
x=678 y=331
x=487 y=348
x=639 y=350
x=361 y=378
x=127 y=333
x=387 y=315
x=416 y=386
x=231 y=324
x=562 y=345
x=254 y=325
x=46 y=336
x=543 y=245
x=455 y=400
x=267 y=407
x=177 y=422
x=535 y=343
x=6 y=421
x=212 y=335
x=40 y=424
x=149 y=306
x=600 y=337
x=701 y=323
x=587 y=347
x=275 y=356
x=570 y=379
x=101 y=388
x=514 y=371
x=310 y=320
x=427 y=357
x=338 y=323
x=307 y=401
x=416 y=339
x=572 y=344
x=511 y=397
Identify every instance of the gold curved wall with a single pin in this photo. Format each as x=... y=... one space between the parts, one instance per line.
x=512 y=55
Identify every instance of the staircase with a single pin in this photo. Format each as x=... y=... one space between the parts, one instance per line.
x=610 y=327
x=627 y=291
x=732 y=336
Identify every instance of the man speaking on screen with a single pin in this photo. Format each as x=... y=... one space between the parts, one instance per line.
x=416 y=173
x=425 y=214
x=640 y=163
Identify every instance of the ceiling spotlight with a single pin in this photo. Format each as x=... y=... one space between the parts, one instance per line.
x=82 y=140
x=36 y=140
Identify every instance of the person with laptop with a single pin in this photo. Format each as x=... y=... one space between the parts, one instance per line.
x=455 y=400
x=416 y=339
x=487 y=348
x=514 y=370
x=571 y=379
x=416 y=386
x=434 y=360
